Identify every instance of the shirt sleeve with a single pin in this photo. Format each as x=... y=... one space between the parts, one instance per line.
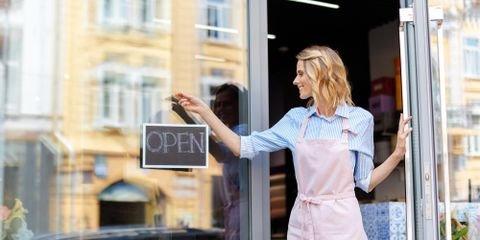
x=270 y=140
x=364 y=155
x=363 y=171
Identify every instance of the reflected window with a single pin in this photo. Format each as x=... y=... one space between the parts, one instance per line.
x=13 y=58
x=475 y=118
x=474 y=145
x=114 y=109
x=101 y=168
x=144 y=15
x=218 y=15
x=154 y=13
x=113 y=13
x=149 y=93
x=130 y=96
x=148 y=11
x=472 y=57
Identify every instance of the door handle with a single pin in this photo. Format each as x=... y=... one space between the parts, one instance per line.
x=438 y=13
x=406 y=112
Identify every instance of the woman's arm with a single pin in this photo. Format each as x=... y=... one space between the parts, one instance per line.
x=194 y=104
x=213 y=146
x=381 y=172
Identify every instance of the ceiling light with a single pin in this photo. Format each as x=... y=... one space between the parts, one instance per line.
x=318 y=3
x=271 y=36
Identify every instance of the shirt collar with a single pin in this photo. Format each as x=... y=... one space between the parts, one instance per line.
x=342 y=110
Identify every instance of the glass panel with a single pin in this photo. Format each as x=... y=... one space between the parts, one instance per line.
x=77 y=81
x=455 y=52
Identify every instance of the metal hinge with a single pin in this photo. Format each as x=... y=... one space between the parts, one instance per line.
x=434 y=14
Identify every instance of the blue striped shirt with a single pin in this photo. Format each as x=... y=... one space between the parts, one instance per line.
x=284 y=135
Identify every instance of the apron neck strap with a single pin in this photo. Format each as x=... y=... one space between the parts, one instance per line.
x=345 y=129
x=303 y=127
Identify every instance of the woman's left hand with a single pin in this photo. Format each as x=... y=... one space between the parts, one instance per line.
x=404 y=131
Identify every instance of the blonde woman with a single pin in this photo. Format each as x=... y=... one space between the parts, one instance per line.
x=332 y=144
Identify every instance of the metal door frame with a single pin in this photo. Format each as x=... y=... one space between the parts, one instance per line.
x=422 y=215
x=258 y=117
x=422 y=209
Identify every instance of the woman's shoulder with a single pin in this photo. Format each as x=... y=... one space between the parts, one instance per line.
x=298 y=113
x=359 y=114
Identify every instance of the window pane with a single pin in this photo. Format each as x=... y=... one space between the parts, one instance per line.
x=99 y=70
x=471 y=42
x=461 y=74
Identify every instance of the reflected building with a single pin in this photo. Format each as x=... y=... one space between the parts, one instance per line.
x=81 y=77
x=29 y=75
x=462 y=74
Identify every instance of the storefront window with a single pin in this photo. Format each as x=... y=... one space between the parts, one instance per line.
x=456 y=70
x=78 y=80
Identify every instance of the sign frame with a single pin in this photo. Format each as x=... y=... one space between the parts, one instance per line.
x=166 y=167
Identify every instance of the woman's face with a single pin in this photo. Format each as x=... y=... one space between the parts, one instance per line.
x=302 y=82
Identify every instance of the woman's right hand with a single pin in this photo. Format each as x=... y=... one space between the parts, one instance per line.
x=225 y=134
x=192 y=103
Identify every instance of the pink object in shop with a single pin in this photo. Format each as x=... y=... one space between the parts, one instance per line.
x=381 y=103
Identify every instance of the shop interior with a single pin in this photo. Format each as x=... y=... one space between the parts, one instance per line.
x=365 y=33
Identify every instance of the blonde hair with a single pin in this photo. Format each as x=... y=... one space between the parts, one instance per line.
x=327 y=73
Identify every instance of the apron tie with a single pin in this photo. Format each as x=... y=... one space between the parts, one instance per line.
x=307 y=201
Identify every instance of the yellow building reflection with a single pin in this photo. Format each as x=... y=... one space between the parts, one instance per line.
x=120 y=60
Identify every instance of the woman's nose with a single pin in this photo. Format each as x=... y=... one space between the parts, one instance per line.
x=295 y=81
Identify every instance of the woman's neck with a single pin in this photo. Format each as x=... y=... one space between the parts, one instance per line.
x=324 y=110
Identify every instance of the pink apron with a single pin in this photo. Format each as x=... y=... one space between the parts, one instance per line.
x=326 y=207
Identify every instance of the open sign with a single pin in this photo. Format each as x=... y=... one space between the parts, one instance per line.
x=174 y=146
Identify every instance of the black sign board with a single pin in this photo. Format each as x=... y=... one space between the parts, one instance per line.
x=174 y=146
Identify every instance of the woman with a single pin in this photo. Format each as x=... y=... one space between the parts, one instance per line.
x=332 y=144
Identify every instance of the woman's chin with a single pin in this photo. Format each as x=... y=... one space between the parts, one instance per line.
x=303 y=97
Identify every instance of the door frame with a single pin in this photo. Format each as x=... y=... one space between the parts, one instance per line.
x=257 y=30
x=422 y=209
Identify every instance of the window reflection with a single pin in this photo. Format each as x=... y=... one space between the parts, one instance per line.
x=462 y=67
x=76 y=95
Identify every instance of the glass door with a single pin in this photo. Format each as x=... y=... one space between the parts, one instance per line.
x=440 y=47
x=418 y=101
x=77 y=81
x=455 y=73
